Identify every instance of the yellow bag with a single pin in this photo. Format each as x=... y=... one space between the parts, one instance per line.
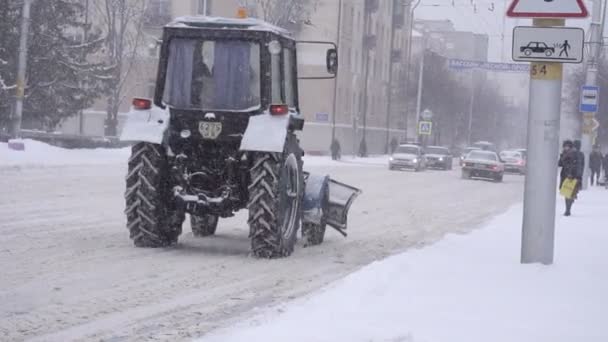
x=568 y=188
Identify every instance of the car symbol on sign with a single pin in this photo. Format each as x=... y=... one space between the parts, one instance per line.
x=537 y=47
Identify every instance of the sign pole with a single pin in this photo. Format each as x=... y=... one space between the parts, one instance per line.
x=543 y=148
x=597 y=29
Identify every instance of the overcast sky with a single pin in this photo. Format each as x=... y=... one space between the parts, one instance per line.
x=481 y=16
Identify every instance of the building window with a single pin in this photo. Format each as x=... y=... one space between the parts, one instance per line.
x=204 y=7
x=289 y=71
x=158 y=13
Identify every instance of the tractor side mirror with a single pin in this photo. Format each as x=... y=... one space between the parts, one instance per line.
x=332 y=61
x=317 y=60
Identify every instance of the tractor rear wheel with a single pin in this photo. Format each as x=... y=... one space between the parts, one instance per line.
x=275 y=199
x=152 y=219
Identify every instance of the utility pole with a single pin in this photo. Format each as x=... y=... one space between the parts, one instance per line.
x=420 y=87
x=597 y=32
x=471 y=108
x=389 y=101
x=367 y=42
x=409 y=61
x=85 y=34
x=21 y=70
x=336 y=81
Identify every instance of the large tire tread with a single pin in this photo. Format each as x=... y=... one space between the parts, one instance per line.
x=264 y=205
x=150 y=221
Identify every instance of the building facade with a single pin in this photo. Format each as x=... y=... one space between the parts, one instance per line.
x=357 y=107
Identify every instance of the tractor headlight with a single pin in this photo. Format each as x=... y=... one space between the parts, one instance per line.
x=274 y=47
x=185 y=133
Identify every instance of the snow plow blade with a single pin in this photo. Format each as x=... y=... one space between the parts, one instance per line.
x=341 y=196
x=328 y=200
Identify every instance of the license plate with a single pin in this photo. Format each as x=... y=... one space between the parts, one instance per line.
x=210 y=130
x=481 y=166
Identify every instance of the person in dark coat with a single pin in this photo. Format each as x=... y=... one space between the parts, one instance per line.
x=580 y=162
x=394 y=145
x=605 y=164
x=336 y=149
x=595 y=164
x=569 y=162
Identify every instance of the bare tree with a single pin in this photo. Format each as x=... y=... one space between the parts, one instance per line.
x=122 y=21
x=288 y=14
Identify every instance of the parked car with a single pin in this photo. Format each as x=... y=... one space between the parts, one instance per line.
x=483 y=164
x=514 y=162
x=523 y=151
x=438 y=157
x=408 y=157
x=466 y=152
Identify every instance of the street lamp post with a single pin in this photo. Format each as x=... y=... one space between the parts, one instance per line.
x=21 y=70
x=409 y=58
x=335 y=111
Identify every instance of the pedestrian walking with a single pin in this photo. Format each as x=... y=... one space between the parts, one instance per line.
x=580 y=162
x=605 y=164
x=595 y=164
x=336 y=150
x=565 y=48
x=394 y=145
x=569 y=163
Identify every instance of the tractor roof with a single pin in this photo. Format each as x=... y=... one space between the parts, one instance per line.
x=252 y=24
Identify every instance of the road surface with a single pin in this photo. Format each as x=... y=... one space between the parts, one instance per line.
x=69 y=271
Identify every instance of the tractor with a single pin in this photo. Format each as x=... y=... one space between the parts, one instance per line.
x=220 y=136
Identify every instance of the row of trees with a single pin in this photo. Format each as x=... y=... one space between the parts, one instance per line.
x=449 y=95
x=81 y=51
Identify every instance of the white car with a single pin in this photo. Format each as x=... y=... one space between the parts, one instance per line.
x=407 y=157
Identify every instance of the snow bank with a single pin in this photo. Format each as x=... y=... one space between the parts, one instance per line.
x=463 y=289
x=40 y=154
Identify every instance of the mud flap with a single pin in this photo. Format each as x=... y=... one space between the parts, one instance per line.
x=341 y=197
x=146 y=125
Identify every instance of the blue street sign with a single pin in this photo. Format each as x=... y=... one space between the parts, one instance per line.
x=322 y=117
x=462 y=64
x=590 y=97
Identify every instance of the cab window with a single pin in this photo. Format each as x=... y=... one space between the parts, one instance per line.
x=288 y=78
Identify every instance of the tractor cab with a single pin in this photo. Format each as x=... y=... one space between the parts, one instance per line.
x=229 y=65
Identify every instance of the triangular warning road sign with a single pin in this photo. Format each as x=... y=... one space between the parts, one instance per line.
x=547 y=9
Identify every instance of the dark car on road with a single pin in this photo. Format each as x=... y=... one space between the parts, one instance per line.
x=483 y=164
x=438 y=157
x=537 y=47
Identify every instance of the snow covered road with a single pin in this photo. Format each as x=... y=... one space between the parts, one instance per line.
x=69 y=271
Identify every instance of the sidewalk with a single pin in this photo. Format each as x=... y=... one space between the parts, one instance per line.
x=467 y=288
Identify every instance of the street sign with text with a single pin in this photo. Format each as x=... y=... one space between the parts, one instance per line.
x=548 y=44
x=547 y=9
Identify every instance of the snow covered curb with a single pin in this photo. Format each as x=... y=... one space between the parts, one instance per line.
x=463 y=289
x=38 y=154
